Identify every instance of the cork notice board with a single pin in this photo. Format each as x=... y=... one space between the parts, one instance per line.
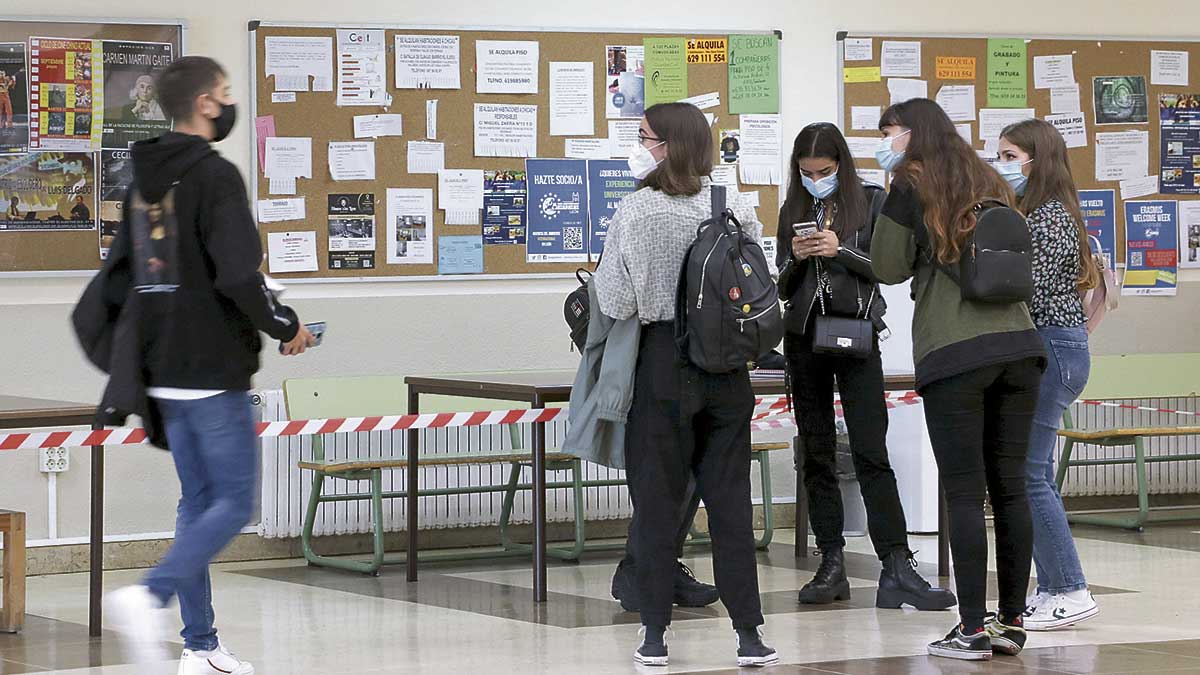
x=316 y=115
x=964 y=61
x=70 y=250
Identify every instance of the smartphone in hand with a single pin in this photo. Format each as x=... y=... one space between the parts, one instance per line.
x=318 y=332
x=805 y=230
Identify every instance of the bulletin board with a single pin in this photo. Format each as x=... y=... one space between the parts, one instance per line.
x=1091 y=58
x=31 y=253
x=317 y=115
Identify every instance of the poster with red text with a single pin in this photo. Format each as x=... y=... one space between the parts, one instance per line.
x=66 y=95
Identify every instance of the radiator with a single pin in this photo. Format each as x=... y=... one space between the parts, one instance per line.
x=285 y=488
x=1163 y=478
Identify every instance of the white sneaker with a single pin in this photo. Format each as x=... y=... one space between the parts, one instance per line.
x=137 y=615
x=1061 y=611
x=219 y=661
x=1034 y=601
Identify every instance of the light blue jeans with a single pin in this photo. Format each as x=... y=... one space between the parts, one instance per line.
x=1054 y=554
x=213 y=444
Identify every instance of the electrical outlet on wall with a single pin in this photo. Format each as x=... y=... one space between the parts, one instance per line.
x=54 y=460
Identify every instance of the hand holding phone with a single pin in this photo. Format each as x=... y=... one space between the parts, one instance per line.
x=310 y=335
x=804 y=230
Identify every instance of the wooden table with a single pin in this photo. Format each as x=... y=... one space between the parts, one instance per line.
x=18 y=412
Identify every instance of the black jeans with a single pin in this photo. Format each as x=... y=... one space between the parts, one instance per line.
x=684 y=425
x=691 y=506
x=860 y=383
x=979 y=424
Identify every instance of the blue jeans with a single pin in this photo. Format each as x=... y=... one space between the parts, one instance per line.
x=216 y=456
x=1054 y=554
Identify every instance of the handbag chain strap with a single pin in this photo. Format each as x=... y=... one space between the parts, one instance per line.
x=825 y=217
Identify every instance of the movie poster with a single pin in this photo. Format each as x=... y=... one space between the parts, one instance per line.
x=131 y=109
x=116 y=175
x=504 y=194
x=1179 y=159
x=48 y=191
x=66 y=103
x=351 y=231
x=14 y=98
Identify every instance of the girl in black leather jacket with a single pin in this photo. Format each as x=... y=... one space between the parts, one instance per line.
x=825 y=189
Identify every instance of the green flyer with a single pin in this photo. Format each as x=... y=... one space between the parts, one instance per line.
x=1007 y=75
x=753 y=74
x=666 y=70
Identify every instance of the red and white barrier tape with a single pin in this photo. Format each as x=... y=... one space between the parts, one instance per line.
x=1125 y=406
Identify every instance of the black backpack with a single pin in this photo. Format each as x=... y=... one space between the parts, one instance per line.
x=995 y=265
x=726 y=304
x=578 y=310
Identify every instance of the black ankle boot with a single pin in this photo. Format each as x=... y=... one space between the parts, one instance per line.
x=900 y=584
x=829 y=583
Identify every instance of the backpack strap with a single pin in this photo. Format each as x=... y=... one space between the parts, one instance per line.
x=718 y=200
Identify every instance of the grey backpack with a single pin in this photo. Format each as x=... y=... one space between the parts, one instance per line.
x=726 y=304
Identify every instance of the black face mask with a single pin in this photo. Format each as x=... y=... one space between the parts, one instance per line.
x=225 y=121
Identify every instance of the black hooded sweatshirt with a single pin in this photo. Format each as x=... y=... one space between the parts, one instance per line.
x=195 y=253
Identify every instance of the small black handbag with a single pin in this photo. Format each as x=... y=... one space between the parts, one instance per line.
x=840 y=335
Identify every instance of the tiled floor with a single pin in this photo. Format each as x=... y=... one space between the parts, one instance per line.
x=479 y=618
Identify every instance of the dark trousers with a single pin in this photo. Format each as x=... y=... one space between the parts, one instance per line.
x=691 y=506
x=979 y=424
x=860 y=383
x=688 y=425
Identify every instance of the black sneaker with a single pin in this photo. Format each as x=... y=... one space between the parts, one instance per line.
x=624 y=586
x=752 y=652
x=956 y=645
x=1006 y=639
x=651 y=654
x=690 y=591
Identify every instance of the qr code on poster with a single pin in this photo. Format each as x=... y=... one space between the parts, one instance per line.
x=573 y=238
x=1136 y=259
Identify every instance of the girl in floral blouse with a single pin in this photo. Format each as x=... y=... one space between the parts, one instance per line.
x=1033 y=158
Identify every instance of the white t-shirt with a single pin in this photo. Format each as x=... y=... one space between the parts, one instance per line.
x=177 y=394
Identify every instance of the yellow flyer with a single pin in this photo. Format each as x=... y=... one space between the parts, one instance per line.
x=707 y=50
x=955 y=67
x=861 y=74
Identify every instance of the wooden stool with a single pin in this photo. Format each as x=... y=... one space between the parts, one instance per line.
x=12 y=612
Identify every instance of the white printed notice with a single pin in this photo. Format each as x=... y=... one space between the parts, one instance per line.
x=292 y=60
x=864 y=117
x=431 y=119
x=857 y=49
x=506 y=67
x=281 y=186
x=291 y=252
x=958 y=100
x=288 y=157
x=704 y=101
x=460 y=195
x=572 y=107
x=1122 y=155
x=1170 y=68
x=1053 y=71
x=505 y=130
x=362 y=67
x=902 y=89
x=1133 y=188
x=1072 y=126
x=426 y=157
x=374 y=126
x=623 y=136
x=760 y=159
x=725 y=174
x=862 y=147
x=409 y=226
x=283 y=97
x=1189 y=233
x=964 y=132
x=993 y=120
x=427 y=62
x=900 y=59
x=352 y=160
x=1064 y=99
x=586 y=148
x=279 y=210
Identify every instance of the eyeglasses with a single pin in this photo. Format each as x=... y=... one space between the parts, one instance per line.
x=642 y=137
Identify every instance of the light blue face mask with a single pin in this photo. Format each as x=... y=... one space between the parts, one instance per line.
x=888 y=158
x=820 y=188
x=1011 y=172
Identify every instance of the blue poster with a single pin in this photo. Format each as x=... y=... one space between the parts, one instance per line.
x=1100 y=218
x=1179 y=156
x=1151 y=248
x=504 y=207
x=460 y=254
x=557 y=220
x=609 y=180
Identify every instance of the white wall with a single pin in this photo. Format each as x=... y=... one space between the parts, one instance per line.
x=469 y=324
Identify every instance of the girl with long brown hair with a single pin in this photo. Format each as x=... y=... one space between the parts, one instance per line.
x=978 y=365
x=1033 y=159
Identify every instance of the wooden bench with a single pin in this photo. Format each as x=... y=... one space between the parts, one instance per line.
x=12 y=612
x=1142 y=376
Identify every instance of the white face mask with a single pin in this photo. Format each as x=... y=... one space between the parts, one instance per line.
x=641 y=161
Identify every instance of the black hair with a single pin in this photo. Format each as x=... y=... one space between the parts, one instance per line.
x=184 y=80
x=822 y=139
